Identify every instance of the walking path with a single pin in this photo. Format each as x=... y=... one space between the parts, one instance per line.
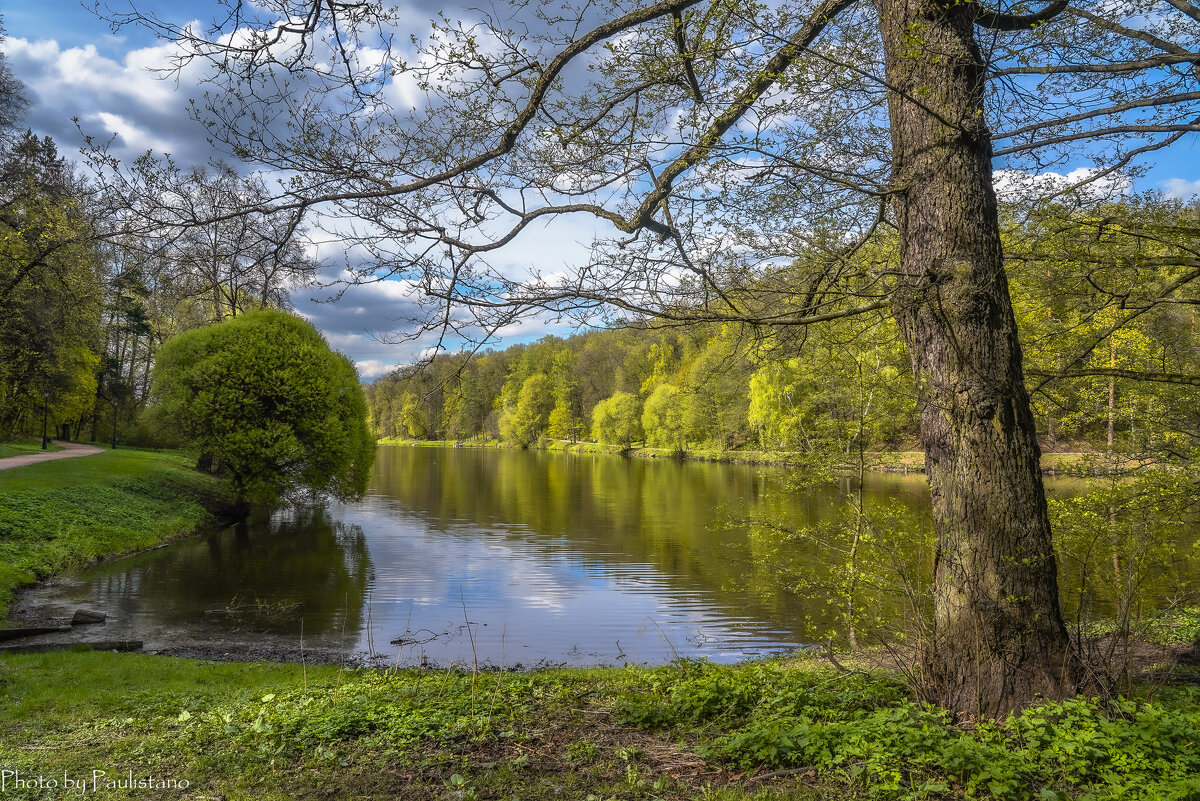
x=72 y=449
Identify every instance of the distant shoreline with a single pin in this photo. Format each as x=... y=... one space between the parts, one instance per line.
x=896 y=462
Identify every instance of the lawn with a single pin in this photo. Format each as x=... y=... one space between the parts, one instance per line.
x=59 y=514
x=25 y=446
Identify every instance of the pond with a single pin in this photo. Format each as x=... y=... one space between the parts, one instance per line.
x=506 y=557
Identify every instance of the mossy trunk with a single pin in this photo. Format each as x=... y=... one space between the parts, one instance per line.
x=998 y=641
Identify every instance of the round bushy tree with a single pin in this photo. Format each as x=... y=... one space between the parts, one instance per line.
x=264 y=400
x=525 y=423
x=617 y=420
x=664 y=417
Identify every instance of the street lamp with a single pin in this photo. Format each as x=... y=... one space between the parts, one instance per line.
x=45 y=413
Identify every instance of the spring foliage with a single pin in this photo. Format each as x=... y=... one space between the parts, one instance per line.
x=264 y=397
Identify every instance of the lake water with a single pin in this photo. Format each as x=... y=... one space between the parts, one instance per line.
x=505 y=557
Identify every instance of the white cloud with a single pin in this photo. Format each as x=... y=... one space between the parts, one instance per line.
x=132 y=137
x=1181 y=188
x=372 y=368
x=109 y=96
x=1017 y=185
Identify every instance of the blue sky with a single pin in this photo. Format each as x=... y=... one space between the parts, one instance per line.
x=75 y=66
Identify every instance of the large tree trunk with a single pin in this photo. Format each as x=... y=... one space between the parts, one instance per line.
x=998 y=642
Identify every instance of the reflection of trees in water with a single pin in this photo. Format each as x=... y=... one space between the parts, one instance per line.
x=267 y=575
x=665 y=513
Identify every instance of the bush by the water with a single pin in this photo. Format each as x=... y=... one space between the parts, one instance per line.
x=263 y=398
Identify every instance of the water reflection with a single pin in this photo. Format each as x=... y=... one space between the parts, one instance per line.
x=464 y=555
x=297 y=571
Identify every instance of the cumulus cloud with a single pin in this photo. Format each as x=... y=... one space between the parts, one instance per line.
x=1013 y=185
x=1181 y=188
x=110 y=97
x=370 y=322
x=354 y=323
x=369 y=369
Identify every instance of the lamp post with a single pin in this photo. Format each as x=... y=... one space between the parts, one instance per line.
x=45 y=414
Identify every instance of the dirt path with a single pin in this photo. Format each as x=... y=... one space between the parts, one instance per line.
x=72 y=449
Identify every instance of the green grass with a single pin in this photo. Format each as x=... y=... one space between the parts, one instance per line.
x=59 y=514
x=755 y=731
x=26 y=446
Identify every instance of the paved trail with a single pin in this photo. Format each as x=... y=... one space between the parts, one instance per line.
x=72 y=449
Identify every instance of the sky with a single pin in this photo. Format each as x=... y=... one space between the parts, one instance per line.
x=75 y=66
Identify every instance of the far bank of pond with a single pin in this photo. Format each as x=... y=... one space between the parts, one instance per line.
x=1054 y=463
x=509 y=557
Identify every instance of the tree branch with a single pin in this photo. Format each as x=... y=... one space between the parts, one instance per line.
x=1115 y=372
x=766 y=78
x=1182 y=97
x=1115 y=130
x=686 y=55
x=1187 y=8
x=987 y=18
x=1117 y=67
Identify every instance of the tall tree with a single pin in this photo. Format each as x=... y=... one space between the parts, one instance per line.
x=50 y=293
x=13 y=101
x=741 y=155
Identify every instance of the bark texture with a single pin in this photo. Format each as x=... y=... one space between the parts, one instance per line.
x=998 y=642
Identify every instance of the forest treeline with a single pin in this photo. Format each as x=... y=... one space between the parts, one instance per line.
x=1103 y=295
x=1112 y=358
x=82 y=316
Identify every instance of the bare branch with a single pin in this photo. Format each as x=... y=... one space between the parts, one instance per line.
x=686 y=55
x=997 y=21
x=1113 y=372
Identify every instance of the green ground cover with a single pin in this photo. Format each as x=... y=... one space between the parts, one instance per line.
x=756 y=731
x=59 y=514
x=25 y=446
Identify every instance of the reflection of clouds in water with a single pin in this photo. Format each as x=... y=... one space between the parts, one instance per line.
x=547 y=570
x=416 y=562
x=529 y=597
x=545 y=601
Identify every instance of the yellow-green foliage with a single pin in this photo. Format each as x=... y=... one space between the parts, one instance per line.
x=527 y=420
x=663 y=417
x=618 y=420
x=267 y=399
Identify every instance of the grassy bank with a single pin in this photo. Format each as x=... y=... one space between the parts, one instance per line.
x=1065 y=463
x=740 y=456
x=756 y=731
x=25 y=446
x=55 y=515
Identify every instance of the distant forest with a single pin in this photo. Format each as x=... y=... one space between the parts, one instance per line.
x=81 y=322
x=1091 y=291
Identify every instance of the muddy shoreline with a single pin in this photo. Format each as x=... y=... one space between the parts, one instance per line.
x=30 y=609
